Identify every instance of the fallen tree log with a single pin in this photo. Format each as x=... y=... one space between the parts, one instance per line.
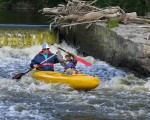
x=76 y=11
x=91 y=16
x=68 y=25
x=70 y=18
x=139 y=20
x=145 y=26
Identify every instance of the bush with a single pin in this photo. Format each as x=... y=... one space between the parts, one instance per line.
x=112 y=24
x=138 y=6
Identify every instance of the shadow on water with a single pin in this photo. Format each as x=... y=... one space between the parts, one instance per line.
x=22 y=17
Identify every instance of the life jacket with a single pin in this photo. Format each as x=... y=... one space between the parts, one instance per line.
x=46 y=66
x=70 y=64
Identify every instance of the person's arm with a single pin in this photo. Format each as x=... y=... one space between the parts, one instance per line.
x=59 y=56
x=74 y=59
x=33 y=63
x=60 y=59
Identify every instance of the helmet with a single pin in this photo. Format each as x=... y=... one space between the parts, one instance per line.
x=45 y=45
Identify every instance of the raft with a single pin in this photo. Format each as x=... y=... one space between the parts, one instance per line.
x=77 y=81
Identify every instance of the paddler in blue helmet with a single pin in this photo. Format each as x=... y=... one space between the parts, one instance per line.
x=43 y=55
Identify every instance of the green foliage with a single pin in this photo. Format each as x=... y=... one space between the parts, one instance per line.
x=112 y=24
x=138 y=6
x=36 y=4
x=4 y=4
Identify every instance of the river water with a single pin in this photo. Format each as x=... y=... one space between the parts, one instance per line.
x=120 y=96
x=22 y=17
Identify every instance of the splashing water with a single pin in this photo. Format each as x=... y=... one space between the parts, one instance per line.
x=120 y=95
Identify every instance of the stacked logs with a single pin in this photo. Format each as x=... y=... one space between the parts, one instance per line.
x=81 y=12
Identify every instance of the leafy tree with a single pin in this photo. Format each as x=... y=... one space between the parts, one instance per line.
x=139 y=6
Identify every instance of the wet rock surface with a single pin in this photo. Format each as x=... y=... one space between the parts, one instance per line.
x=123 y=46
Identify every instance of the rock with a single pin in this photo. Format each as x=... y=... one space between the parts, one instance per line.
x=123 y=46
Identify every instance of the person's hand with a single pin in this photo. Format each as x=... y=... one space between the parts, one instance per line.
x=70 y=54
x=35 y=66
x=67 y=53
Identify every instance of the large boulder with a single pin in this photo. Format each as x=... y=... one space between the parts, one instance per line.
x=123 y=46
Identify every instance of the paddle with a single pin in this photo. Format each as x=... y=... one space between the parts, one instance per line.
x=18 y=76
x=77 y=58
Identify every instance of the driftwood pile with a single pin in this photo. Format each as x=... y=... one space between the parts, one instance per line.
x=81 y=12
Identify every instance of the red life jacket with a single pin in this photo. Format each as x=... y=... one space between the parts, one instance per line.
x=46 y=64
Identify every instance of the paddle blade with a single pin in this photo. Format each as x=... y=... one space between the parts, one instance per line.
x=82 y=61
x=18 y=76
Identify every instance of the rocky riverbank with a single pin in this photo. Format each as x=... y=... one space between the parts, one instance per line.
x=123 y=46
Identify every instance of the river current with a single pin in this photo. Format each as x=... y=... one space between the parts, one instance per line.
x=120 y=96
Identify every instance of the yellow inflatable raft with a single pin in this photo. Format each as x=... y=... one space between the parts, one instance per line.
x=78 y=81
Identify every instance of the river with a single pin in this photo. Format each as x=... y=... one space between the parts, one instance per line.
x=22 y=17
x=120 y=96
